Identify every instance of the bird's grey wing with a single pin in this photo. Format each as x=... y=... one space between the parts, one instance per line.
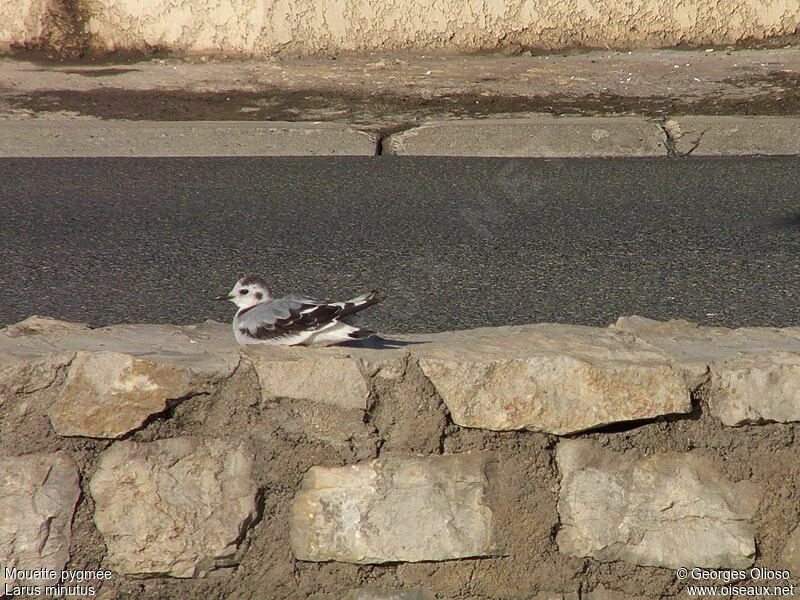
x=285 y=316
x=301 y=299
x=308 y=313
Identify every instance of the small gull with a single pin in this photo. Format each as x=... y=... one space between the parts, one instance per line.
x=293 y=320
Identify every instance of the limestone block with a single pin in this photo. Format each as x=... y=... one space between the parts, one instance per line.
x=116 y=376
x=108 y=394
x=668 y=510
x=756 y=389
x=38 y=494
x=24 y=369
x=28 y=374
x=174 y=507
x=318 y=375
x=754 y=372
x=552 y=378
x=395 y=509
x=37 y=325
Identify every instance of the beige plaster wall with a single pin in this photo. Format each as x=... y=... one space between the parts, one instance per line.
x=267 y=27
x=21 y=21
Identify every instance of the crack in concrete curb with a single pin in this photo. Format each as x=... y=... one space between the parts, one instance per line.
x=672 y=133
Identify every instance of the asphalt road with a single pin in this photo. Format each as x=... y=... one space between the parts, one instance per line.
x=454 y=243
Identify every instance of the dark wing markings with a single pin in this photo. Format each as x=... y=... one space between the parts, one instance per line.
x=296 y=321
x=316 y=315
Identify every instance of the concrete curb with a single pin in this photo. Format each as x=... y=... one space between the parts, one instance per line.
x=730 y=136
x=542 y=136
x=549 y=136
x=186 y=138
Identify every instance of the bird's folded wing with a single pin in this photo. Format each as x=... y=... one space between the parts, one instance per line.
x=285 y=316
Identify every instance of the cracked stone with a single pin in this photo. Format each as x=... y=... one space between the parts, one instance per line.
x=108 y=394
x=392 y=509
x=38 y=494
x=29 y=374
x=552 y=378
x=25 y=369
x=176 y=507
x=753 y=372
x=668 y=510
x=116 y=376
x=756 y=389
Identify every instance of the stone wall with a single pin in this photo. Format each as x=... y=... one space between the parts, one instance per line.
x=544 y=461
x=266 y=27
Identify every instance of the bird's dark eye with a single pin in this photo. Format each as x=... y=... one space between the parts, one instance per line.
x=244 y=291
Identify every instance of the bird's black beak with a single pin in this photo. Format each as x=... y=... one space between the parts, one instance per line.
x=223 y=297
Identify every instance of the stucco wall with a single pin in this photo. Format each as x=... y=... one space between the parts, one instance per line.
x=21 y=21
x=266 y=27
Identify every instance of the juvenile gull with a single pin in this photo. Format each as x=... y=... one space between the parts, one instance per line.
x=293 y=320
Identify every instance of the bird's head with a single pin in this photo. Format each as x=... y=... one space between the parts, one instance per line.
x=248 y=292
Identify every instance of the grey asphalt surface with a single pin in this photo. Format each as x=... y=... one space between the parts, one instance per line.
x=453 y=242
